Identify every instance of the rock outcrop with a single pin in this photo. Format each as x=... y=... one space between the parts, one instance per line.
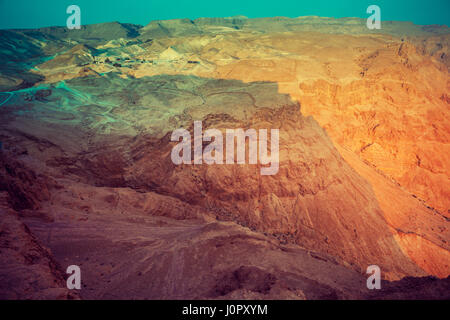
x=27 y=269
x=363 y=178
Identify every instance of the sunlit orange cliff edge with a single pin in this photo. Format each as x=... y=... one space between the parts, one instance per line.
x=87 y=178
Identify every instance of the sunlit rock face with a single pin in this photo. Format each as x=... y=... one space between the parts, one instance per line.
x=86 y=123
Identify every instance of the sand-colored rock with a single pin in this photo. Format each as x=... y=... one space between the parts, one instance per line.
x=363 y=177
x=316 y=200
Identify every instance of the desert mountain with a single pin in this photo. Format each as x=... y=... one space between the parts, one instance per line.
x=363 y=176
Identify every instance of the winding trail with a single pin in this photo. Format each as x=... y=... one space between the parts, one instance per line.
x=10 y=95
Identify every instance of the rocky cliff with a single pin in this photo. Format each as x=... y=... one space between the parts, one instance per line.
x=363 y=175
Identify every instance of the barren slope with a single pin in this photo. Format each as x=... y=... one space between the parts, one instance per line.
x=85 y=122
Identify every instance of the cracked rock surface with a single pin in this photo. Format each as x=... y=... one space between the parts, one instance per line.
x=86 y=170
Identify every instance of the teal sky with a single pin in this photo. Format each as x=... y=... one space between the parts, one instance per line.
x=42 y=13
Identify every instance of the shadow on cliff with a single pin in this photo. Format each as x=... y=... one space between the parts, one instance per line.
x=316 y=200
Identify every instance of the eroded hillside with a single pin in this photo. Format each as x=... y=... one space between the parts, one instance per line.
x=364 y=173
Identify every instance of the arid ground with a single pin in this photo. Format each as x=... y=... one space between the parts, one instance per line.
x=86 y=176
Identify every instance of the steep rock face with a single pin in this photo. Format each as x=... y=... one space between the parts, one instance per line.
x=383 y=94
x=93 y=139
x=25 y=187
x=396 y=122
x=27 y=269
x=421 y=232
x=384 y=98
x=315 y=200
